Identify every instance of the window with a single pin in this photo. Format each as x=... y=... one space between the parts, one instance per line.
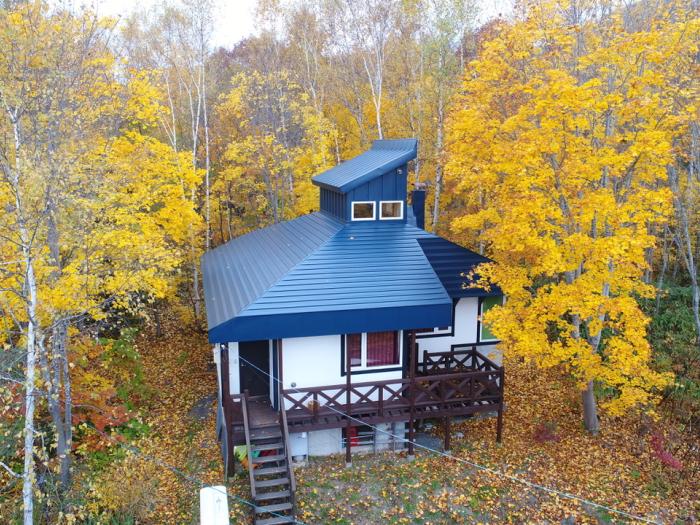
x=485 y=305
x=373 y=349
x=382 y=348
x=363 y=211
x=353 y=345
x=391 y=210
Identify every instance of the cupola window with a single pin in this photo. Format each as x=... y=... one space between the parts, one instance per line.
x=391 y=210
x=363 y=211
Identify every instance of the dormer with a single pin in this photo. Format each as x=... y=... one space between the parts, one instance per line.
x=371 y=186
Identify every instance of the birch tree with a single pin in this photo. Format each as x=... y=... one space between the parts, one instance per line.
x=446 y=24
x=173 y=41
x=80 y=218
x=364 y=30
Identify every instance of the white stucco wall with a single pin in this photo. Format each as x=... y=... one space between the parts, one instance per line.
x=234 y=378
x=465 y=332
x=316 y=361
x=216 y=351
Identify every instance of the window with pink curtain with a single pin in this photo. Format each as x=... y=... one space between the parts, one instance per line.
x=382 y=348
x=354 y=348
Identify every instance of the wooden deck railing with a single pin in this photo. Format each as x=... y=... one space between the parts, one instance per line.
x=455 y=383
x=249 y=449
x=433 y=396
x=459 y=359
x=284 y=426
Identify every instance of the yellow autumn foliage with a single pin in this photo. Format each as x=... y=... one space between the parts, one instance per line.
x=558 y=146
x=278 y=142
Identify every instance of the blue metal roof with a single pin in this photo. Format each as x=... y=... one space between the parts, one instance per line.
x=384 y=156
x=452 y=264
x=369 y=276
x=238 y=272
x=318 y=276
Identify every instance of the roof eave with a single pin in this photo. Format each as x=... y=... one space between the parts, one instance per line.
x=332 y=322
x=376 y=172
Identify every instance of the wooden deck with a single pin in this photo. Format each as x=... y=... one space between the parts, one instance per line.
x=461 y=382
x=434 y=396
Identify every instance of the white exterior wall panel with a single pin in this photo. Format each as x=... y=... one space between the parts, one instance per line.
x=316 y=361
x=465 y=332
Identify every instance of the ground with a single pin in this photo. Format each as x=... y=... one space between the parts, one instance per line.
x=625 y=467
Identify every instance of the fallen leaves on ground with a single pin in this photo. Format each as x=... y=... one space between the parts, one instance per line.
x=617 y=468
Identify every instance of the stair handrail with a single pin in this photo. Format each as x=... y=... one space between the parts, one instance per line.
x=246 y=427
x=287 y=448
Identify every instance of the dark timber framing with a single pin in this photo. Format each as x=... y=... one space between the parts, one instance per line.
x=459 y=382
x=348 y=408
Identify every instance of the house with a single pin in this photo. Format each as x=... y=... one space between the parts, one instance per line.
x=346 y=325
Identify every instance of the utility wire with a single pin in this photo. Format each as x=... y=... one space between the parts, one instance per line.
x=135 y=450
x=192 y=479
x=477 y=466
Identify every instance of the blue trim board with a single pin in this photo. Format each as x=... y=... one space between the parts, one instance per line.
x=302 y=324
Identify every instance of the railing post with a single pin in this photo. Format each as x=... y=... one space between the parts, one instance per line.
x=499 y=421
x=412 y=392
x=348 y=409
x=314 y=410
x=446 y=420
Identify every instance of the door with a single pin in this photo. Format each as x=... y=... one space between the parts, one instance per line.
x=254 y=367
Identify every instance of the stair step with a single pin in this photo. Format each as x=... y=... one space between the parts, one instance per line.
x=265 y=432
x=277 y=494
x=277 y=520
x=263 y=483
x=270 y=470
x=277 y=507
x=277 y=445
x=269 y=459
x=260 y=434
x=271 y=424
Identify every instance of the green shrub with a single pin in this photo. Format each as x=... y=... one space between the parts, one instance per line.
x=673 y=336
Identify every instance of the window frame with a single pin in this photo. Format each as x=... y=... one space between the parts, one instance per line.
x=363 y=368
x=381 y=214
x=480 y=324
x=374 y=211
x=438 y=330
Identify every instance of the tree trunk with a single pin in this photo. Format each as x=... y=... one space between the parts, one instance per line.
x=684 y=241
x=30 y=396
x=439 y=167
x=29 y=292
x=196 y=296
x=590 y=409
x=662 y=271
x=207 y=159
x=63 y=417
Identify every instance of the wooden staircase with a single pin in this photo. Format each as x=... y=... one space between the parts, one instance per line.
x=271 y=475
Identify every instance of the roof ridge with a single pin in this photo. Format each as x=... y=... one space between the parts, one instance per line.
x=384 y=156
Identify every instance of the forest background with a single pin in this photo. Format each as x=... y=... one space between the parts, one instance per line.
x=562 y=141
